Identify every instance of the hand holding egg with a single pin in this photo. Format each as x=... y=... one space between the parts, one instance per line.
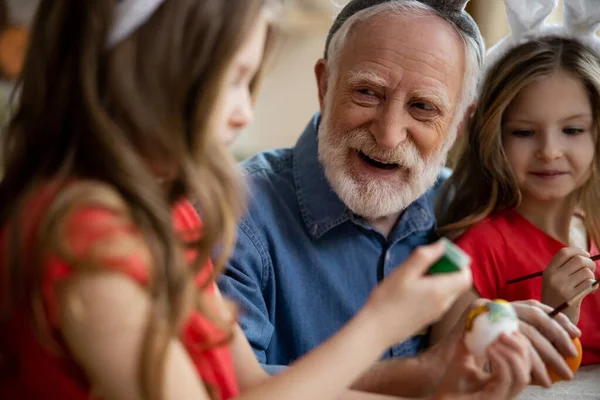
x=572 y=362
x=486 y=323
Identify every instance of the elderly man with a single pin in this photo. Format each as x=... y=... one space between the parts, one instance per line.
x=331 y=217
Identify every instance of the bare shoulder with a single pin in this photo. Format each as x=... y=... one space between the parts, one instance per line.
x=90 y=226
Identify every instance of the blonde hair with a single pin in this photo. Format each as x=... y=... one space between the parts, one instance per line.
x=483 y=182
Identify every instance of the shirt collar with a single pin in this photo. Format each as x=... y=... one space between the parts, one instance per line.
x=320 y=206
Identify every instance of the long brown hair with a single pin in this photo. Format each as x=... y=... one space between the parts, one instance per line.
x=120 y=117
x=483 y=181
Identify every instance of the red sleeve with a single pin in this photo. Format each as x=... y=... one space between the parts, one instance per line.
x=94 y=238
x=187 y=223
x=485 y=245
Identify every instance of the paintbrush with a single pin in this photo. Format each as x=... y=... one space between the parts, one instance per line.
x=540 y=273
x=574 y=300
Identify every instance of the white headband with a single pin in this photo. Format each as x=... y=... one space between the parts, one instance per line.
x=526 y=19
x=129 y=16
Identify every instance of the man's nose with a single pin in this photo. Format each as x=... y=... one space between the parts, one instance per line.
x=390 y=128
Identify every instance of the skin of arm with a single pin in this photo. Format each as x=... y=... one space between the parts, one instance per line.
x=103 y=318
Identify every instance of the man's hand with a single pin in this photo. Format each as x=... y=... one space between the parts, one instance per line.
x=510 y=372
x=549 y=340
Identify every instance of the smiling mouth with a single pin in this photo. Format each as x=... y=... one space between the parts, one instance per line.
x=376 y=163
x=548 y=173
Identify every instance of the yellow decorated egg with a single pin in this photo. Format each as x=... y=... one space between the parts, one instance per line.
x=486 y=323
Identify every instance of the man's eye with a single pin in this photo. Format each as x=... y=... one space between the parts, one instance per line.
x=423 y=106
x=367 y=92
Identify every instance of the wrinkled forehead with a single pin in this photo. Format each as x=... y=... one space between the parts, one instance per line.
x=396 y=46
x=425 y=35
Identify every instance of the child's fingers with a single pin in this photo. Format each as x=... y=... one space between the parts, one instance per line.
x=564 y=255
x=582 y=277
x=451 y=285
x=422 y=258
x=572 y=268
x=578 y=264
x=455 y=280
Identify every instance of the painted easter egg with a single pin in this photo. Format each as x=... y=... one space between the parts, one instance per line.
x=486 y=323
x=572 y=362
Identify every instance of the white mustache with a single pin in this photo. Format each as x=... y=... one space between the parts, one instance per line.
x=406 y=155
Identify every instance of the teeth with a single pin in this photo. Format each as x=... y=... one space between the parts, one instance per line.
x=379 y=160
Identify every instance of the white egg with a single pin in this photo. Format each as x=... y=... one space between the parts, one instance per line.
x=486 y=327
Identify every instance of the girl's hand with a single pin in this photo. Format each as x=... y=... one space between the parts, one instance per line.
x=570 y=271
x=408 y=300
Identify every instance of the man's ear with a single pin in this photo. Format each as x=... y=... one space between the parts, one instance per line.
x=321 y=73
x=467 y=117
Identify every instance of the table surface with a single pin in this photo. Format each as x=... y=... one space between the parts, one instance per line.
x=585 y=386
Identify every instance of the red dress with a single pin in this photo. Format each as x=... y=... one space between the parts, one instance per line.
x=34 y=371
x=507 y=246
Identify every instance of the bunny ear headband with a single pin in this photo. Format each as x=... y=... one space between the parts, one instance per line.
x=129 y=16
x=526 y=19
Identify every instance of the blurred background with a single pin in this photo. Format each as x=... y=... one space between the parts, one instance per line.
x=288 y=97
x=289 y=94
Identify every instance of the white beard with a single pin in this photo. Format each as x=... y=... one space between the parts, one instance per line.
x=369 y=196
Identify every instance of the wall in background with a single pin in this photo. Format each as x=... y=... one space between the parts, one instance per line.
x=289 y=96
x=21 y=11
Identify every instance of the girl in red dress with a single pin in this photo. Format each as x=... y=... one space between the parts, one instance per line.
x=524 y=198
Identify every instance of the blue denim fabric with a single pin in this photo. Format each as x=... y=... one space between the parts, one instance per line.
x=304 y=264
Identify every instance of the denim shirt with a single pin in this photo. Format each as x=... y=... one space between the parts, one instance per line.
x=304 y=264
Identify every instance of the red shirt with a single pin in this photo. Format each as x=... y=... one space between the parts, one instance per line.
x=507 y=246
x=35 y=371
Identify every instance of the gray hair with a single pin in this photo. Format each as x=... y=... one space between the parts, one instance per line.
x=473 y=54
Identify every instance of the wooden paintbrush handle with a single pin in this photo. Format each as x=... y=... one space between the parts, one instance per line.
x=540 y=273
x=574 y=300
